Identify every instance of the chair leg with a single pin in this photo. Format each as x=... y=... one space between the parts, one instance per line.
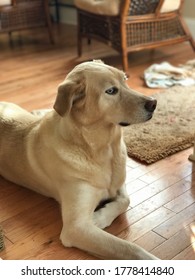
x=125 y=61
x=187 y=32
x=192 y=43
x=89 y=41
x=10 y=38
x=48 y=21
x=192 y=156
x=79 y=35
x=79 y=45
x=51 y=37
x=79 y=40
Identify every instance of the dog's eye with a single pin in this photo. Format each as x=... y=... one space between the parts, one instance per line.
x=112 y=90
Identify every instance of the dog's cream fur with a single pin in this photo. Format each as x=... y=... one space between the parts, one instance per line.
x=76 y=154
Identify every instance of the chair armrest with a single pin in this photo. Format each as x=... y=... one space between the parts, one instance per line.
x=5 y=3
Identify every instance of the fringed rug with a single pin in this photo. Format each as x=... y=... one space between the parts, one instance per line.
x=171 y=129
x=1 y=239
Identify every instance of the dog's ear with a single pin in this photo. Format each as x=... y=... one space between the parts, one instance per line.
x=68 y=93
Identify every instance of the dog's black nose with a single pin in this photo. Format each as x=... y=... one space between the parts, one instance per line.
x=150 y=105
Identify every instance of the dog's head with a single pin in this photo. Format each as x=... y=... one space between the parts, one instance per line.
x=94 y=91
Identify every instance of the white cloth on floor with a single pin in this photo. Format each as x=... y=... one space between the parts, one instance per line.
x=165 y=75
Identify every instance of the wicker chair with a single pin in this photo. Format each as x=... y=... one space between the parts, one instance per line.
x=25 y=14
x=138 y=25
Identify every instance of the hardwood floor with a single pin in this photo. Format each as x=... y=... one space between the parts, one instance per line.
x=161 y=217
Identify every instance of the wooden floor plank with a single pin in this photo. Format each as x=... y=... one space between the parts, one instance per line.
x=31 y=220
x=28 y=243
x=181 y=202
x=168 y=228
x=166 y=195
x=19 y=201
x=178 y=243
x=157 y=173
x=150 y=240
x=135 y=186
x=187 y=254
x=146 y=224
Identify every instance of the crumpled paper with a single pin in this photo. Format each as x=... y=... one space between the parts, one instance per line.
x=165 y=75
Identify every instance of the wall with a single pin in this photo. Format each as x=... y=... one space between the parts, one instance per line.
x=189 y=14
x=189 y=9
x=67 y=12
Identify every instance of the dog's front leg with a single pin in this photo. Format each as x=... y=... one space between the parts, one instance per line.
x=107 y=214
x=78 y=203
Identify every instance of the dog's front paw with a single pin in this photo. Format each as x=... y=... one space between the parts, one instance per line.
x=100 y=220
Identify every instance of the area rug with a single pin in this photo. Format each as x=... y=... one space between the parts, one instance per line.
x=1 y=239
x=171 y=129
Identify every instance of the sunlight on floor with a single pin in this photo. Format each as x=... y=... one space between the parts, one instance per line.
x=193 y=236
